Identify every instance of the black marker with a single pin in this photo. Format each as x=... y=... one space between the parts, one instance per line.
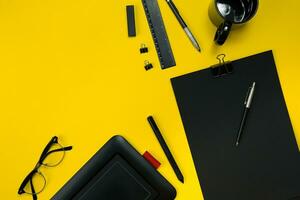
x=165 y=148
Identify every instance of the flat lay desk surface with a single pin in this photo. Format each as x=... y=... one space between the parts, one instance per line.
x=68 y=68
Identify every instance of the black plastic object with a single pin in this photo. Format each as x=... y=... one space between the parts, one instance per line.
x=222 y=32
x=227 y=14
x=222 y=68
x=159 y=34
x=117 y=171
x=165 y=148
x=148 y=65
x=143 y=49
x=266 y=165
x=130 y=21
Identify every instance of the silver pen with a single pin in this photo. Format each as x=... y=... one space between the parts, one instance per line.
x=247 y=104
x=183 y=24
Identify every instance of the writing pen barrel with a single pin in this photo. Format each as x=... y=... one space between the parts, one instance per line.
x=183 y=24
x=176 y=13
x=242 y=125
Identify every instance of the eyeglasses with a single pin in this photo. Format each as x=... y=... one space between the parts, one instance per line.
x=52 y=155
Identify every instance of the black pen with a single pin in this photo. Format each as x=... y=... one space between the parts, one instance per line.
x=247 y=104
x=183 y=24
x=165 y=148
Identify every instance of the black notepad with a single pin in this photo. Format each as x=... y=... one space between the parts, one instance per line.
x=116 y=172
x=266 y=164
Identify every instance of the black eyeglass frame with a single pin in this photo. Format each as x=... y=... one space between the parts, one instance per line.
x=44 y=155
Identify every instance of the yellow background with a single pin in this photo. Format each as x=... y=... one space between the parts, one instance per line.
x=67 y=68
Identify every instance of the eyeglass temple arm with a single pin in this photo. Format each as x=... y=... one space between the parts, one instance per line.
x=53 y=140
x=68 y=148
x=34 y=196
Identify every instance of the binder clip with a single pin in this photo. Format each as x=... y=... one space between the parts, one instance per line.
x=143 y=48
x=222 y=68
x=148 y=65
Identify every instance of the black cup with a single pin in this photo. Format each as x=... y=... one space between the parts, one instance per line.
x=230 y=14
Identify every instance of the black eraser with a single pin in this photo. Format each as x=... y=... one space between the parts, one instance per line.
x=130 y=20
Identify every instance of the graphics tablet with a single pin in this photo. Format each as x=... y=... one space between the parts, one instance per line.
x=116 y=172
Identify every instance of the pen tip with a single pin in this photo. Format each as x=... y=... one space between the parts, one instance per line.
x=181 y=179
x=237 y=144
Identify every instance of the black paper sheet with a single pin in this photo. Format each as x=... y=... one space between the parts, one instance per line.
x=266 y=164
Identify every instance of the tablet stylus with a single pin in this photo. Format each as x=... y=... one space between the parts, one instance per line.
x=165 y=148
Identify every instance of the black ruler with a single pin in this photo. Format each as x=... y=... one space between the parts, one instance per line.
x=159 y=34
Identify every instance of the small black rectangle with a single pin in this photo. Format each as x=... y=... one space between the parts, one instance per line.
x=130 y=20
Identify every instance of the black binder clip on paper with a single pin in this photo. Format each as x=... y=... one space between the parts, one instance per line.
x=222 y=68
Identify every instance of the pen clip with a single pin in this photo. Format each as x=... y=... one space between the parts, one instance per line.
x=247 y=95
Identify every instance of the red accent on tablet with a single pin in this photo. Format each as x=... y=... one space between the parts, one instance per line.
x=155 y=163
